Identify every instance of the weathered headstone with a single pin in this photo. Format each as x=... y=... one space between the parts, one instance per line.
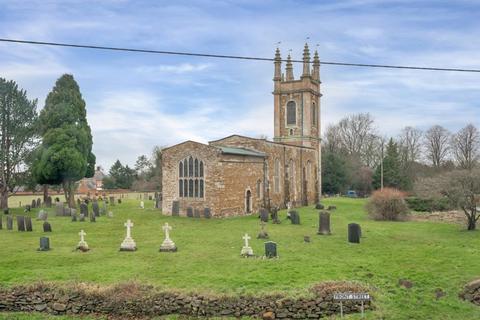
x=330 y=208
x=196 y=213
x=354 y=233
x=84 y=209
x=9 y=223
x=74 y=217
x=167 y=245
x=34 y=204
x=294 y=217
x=263 y=233
x=319 y=206
x=112 y=200
x=67 y=212
x=324 y=223
x=158 y=203
x=81 y=218
x=128 y=243
x=247 y=251
x=190 y=212
x=39 y=202
x=59 y=209
x=28 y=224
x=263 y=214
x=274 y=215
x=207 y=213
x=175 y=208
x=270 y=249
x=48 y=203
x=47 y=227
x=96 y=208
x=92 y=217
x=20 y=223
x=42 y=215
x=44 y=244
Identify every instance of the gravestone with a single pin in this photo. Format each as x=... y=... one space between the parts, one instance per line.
x=20 y=223
x=48 y=203
x=175 y=208
x=112 y=200
x=9 y=223
x=167 y=245
x=59 y=209
x=27 y=208
x=158 y=203
x=84 y=209
x=67 y=212
x=81 y=218
x=324 y=223
x=34 y=204
x=142 y=205
x=247 y=251
x=294 y=217
x=207 y=213
x=82 y=244
x=263 y=214
x=74 y=217
x=196 y=213
x=42 y=215
x=330 y=208
x=306 y=239
x=39 y=202
x=28 y=224
x=92 y=217
x=47 y=227
x=44 y=244
x=319 y=206
x=110 y=214
x=270 y=249
x=190 y=212
x=128 y=243
x=354 y=233
x=96 y=208
x=274 y=215
x=263 y=233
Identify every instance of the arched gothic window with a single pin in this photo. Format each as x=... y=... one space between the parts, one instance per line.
x=291 y=113
x=276 y=176
x=191 y=178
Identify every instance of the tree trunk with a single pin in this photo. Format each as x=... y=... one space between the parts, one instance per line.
x=45 y=193
x=69 y=191
x=4 y=199
x=471 y=223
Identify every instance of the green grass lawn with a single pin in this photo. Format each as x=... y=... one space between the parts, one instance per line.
x=432 y=255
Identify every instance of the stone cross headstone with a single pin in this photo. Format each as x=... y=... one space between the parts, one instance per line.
x=294 y=217
x=9 y=223
x=354 y=233
x=324 y=223
x=128 y=243
x=59 y=209
x=96 y=208
x=196 y=213
x=175 y=208
x=47 y=227
x=247 y=251
x=270 y=249
x=263 y=213
x=142 y=205
x=82 y=244
x=190 y=212
x=168 y=245
x=28 y=224
x=206 y=213
x=39 y=203
x=263 y=233
x=44 y=244
x=20 y=223
x=42 y=215
x=34 y=204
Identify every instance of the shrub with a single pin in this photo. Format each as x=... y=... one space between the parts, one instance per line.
x=428 y=204
x=387 y=204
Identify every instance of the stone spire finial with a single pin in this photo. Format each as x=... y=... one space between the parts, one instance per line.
x=278 y=66
x=316 y=66
x=306 y=61
x=289 y=69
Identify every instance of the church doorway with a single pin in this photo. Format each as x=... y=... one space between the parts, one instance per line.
x=248 y=201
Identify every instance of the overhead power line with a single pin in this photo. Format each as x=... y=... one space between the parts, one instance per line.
x=71 y=45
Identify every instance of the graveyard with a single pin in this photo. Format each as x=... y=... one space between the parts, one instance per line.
x=430 y=256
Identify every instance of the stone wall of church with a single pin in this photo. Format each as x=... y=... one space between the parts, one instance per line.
x=296 y=189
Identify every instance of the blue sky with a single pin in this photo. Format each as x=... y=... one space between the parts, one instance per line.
x=137 y=101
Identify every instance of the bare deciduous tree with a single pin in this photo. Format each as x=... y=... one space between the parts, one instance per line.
x=436 y=145
x=410 y=144
x=465 y=146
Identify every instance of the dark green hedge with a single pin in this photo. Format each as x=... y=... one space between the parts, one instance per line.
x=428 y=205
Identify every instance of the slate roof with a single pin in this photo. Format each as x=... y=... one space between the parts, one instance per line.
x=242 y=151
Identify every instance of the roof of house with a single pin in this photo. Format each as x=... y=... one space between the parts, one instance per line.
x=241 y=151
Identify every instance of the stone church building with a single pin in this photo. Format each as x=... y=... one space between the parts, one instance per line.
x=238 y=175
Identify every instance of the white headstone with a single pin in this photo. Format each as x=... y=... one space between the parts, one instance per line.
x=168 y=244
x=128 y=243
x=246 y=250
x=82 y=244
x=142 y=204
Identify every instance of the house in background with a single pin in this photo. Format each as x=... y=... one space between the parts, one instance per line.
x=92 y=184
